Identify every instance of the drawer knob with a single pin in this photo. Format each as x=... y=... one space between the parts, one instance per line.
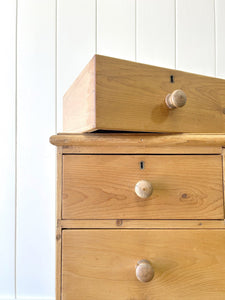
x=176 y=99
x=143 y=189
x=144 y=271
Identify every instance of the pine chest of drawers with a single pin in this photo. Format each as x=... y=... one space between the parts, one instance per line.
x=140 y=217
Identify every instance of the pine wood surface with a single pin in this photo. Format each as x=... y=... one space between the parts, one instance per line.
x=115 y=94
x=58 y=225
x=139 y=143
x=102 y=187
x=134 y=139
x=142 y=224
x=98 y=143
x=123 y=149
x=82 y=114
x=100 y=264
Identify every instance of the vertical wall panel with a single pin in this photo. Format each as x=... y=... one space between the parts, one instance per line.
x=75 y=44
x=196 y=36
x=36 y=157
x=156 y=32
x=116 y=28
x=7 y=149
x=220 y=38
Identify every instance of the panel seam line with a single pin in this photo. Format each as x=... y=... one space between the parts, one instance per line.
x=96 y=26
x=16 y=148
x=175 y=34
x=135 y=30
x=56 y=66
x=215 y=39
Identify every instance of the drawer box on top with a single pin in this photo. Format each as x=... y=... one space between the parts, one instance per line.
x=114 y=94
x=102 y=264
x=109 y=187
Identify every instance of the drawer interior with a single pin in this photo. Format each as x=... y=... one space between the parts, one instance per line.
x=103 y=187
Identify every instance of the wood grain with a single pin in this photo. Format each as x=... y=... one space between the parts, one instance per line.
x=139 y=143
x=100 y=264
x=223 y=164
x=131 y=97
x=102 y=187
x=138 y=139
x=81 y=115
x=143 y=224
x=123 y=149
x=58 y=225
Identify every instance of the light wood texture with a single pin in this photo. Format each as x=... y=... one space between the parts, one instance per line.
x=116 y=28
x=76 y=44
x=156 y=26
x=36 y=160
x=195 y=36
x=123 y=149
x=58 y=264
x=131 y=97
x=58 y=226
x=223 y=163
x=7 y=149
x=59 y=182
x=102 y=187
x=100 y=264
x=83 y=114
x=140 y=142
x=143 y=224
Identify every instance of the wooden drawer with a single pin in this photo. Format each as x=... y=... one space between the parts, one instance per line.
x=103 y=187
x=101 y=264
x=114 y=94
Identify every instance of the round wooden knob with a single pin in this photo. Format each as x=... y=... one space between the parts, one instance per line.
x=144 y=271
x=143 y=189
x=176 y=99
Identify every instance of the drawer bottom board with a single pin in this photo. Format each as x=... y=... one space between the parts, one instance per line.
x=101 y=264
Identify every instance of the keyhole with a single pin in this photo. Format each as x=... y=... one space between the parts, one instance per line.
x=171 y=79
x=142 y=165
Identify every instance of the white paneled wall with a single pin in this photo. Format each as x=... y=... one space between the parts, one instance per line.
x=76 y=43
x=116 y=28
x=44 y=46
x=220 y=37
x=195 y=36
x=156 y=32
x=7 y=149
x=35 y=156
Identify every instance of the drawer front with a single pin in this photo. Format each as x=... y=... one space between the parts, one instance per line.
x=131 y=96
x=102 y=264
x=128 y=96
x=103 y=187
